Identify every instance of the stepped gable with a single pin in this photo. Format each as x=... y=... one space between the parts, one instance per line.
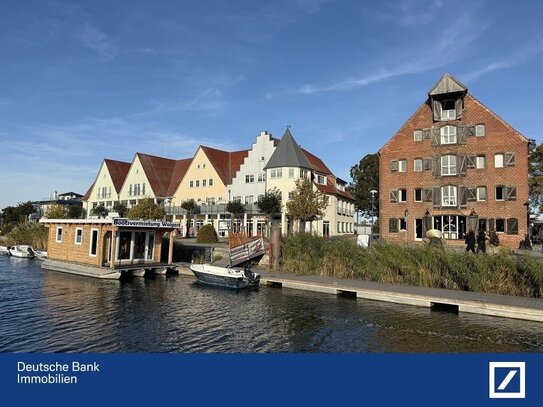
x=288 y=154
x=118 y=170
x=158 y=171
x=236 y=159
x=179 y=171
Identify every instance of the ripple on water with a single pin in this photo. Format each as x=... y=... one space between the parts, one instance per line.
x=44 y=311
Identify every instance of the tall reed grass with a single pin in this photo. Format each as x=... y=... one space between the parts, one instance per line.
x=33 y=234
x=502 y=273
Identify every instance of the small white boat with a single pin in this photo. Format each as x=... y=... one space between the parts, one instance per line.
x=4 y=250
x=22 y=251
x=40 y=254
x=225 y=276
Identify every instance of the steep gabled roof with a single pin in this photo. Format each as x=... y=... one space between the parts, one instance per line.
x=88 y=193
x=330 y=187
x=447 y=84
x=179 y=171
x=316 y=163
x=226 y=164
x=118 y=171
x=288 y=154
x=158 y=171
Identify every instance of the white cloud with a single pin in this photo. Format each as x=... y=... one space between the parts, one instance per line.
x=98 y=41
x=436 y=52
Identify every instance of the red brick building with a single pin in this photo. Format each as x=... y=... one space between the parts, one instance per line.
x=454 y=166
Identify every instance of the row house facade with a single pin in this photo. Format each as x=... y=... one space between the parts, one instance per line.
x=214 y=177
x=454 y=166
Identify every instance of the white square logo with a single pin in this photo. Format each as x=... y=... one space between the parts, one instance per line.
x=507 y=380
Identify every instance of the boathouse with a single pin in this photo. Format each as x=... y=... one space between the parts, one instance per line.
x=107 y=247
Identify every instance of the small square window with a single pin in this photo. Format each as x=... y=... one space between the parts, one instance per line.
x=480 y=130
x=500 y=225
x=402 y=195
x=480 y=162
x=197 y=184
x=402 y=165
x=418 y=195
x=417 y=135
x=417 y=165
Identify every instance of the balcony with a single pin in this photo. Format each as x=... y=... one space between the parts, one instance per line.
x=204 y=209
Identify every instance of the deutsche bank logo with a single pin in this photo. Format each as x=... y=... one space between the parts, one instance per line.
x=507 y=380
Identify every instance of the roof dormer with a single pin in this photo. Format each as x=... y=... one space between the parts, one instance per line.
x=447 y=98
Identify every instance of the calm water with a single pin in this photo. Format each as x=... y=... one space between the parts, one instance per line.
x=44 y=311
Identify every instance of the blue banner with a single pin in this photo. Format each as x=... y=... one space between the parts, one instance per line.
x=272 y=379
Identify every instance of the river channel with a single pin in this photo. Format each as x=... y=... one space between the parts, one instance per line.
x=45 y=311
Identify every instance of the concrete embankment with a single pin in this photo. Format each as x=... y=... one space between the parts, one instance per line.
x=451 y=300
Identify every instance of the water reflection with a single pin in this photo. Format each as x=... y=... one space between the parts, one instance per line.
x=54 y=312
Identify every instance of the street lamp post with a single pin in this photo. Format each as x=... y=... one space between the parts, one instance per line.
x=372 y=192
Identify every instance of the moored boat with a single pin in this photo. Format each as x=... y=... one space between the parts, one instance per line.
x=4 y=250
x=22 y=251
x=225 y=276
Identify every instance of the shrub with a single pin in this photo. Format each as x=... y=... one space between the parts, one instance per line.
x=207 y=234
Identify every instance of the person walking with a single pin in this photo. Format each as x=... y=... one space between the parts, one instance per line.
x=470 y=241
x=481 y=241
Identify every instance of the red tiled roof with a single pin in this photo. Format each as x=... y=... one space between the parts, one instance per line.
x=159 y=171
x=330 y=187
x=316 y=162
x=226 y=164
x=236 y=159
x=179 y=171
x=118 y=171
x=88 y=193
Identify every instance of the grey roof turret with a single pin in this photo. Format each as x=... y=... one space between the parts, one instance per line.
x=288 y=154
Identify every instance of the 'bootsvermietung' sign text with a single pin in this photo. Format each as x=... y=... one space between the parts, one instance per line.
x=145 y=223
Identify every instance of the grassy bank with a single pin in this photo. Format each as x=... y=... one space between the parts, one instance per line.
x=423 y=266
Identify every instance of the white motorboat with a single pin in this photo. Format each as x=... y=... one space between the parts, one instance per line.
x=4 y=250
x=40 y=254
x=225 y=276
x=22 y=251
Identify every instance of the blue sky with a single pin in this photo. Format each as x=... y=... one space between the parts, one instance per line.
x=81 y=81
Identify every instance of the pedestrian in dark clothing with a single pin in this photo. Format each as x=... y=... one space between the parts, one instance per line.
x=470 y=241
x=481 y=241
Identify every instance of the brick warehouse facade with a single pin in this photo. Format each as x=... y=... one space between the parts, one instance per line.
x=454 y=166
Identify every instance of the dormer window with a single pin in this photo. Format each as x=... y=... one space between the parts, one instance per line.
x=448 y=110
x=321 y=179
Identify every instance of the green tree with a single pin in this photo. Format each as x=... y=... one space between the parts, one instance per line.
x=365 y=177
x=307 y=203
x=75 y=211
x=189 y=205
x=269 y=204
x=146 y=209
x=207 y=234
x=535 y=176
x=19 y=213
x=120 y=208
x=100 y=211
x=56 y=212
x=236 y=208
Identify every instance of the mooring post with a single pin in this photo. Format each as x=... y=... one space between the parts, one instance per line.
x=275 y=247
x=170 y=249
